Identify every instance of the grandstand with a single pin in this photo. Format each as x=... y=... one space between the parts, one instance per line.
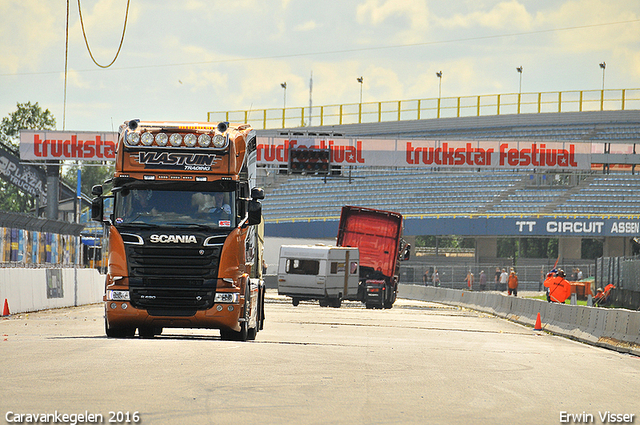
x=419 y=192
x=413 y=191
x=481 y=203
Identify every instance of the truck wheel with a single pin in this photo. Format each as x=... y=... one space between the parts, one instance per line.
x=336 y=302
x=229 y=335
x=324 y=302
x=251 y=334
x=295 y=302
x=118 y=332
x=261 y=321
x=149 y=332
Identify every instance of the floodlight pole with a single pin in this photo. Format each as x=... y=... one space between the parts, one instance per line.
x=284 y=86
x=603 y=65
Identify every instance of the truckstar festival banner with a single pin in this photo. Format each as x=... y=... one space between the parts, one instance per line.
x=64 y=145
x=434 y=153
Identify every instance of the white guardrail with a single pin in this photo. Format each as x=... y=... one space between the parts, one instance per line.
x=616 y=329
x=26 y=289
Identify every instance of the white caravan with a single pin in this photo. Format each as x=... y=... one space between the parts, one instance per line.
x=328 y=274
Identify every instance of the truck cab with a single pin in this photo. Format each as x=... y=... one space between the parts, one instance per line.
x=185 y=243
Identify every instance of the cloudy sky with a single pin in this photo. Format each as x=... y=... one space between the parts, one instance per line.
x=182 y=59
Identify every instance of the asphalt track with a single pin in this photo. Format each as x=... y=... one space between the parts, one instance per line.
x=418 y=363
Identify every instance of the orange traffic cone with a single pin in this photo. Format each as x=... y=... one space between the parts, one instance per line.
x=538 y=326
x=5 y=310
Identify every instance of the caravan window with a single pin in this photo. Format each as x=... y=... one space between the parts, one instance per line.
x=298 y=266
x=339 y=267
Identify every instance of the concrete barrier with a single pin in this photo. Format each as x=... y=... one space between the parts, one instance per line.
x=39 y=289
x=616 y=329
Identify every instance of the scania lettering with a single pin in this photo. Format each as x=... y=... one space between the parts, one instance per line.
x=173 y=239
x=184 y=230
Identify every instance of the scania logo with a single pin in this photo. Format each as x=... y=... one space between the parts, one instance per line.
x=173 y=239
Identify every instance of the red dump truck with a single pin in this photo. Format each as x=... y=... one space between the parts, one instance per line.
x=378 y=236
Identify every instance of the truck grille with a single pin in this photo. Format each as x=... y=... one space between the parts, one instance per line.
x=173 y=280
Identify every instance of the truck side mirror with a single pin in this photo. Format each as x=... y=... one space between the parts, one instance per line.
x=257 y=193
x=97 y=208
x=255 y=212
x=407 y=253
x=96 y=190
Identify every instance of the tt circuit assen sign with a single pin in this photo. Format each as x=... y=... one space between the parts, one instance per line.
x=524 y=227
x=63 y=145
x=434 y=153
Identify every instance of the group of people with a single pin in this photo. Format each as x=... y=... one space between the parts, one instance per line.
x=431 y=276
x=557 y=287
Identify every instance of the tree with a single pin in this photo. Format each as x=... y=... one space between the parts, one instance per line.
x=91 y=176
x=27 y=117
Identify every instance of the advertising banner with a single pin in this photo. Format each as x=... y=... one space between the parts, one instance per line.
x=556 y=155
x=67 y=145
x=524 y=227
x=29 y=179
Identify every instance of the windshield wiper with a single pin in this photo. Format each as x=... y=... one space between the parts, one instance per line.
x=190 y=225
x=139 y=224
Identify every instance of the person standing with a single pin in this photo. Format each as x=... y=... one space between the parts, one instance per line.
x=469 y=280
x=504 y=277
x=558 y=288
x=436 y=278
x=426 y=278
x=496 y=281
x=483 y=280
x=513 y=283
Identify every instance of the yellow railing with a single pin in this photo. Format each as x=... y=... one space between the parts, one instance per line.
x=446 y=107
x=470 y=215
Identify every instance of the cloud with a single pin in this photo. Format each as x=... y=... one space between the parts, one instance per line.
x=28 y=30
x=504 y=15
x=406 y=20
x=377 y=11
x=76 y=80
x=306 y=26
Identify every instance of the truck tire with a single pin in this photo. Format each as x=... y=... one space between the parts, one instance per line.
x=251 y=334
x=245 y=332
x=149 y=332
x=263 y=294
x=229 y=335
x=118 y=332
x=335 y=302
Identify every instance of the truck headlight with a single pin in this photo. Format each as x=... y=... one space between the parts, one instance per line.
x=219 y=141
x=227 y=297
x=113 y=295
x=146 y=139
x=133 y=138
x=190 y=140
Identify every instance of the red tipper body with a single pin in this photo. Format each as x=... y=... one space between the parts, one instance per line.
x=377 y=234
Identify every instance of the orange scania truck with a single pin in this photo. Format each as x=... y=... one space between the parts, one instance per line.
x=185 y=235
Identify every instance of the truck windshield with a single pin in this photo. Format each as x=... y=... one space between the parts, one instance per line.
x=175 y=208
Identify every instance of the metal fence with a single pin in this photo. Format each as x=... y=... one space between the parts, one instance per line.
x=446 y=107
x=530 y=277
x=622 y=272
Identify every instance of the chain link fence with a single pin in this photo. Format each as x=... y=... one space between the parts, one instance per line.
x=530 y=277
x=624 y=274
